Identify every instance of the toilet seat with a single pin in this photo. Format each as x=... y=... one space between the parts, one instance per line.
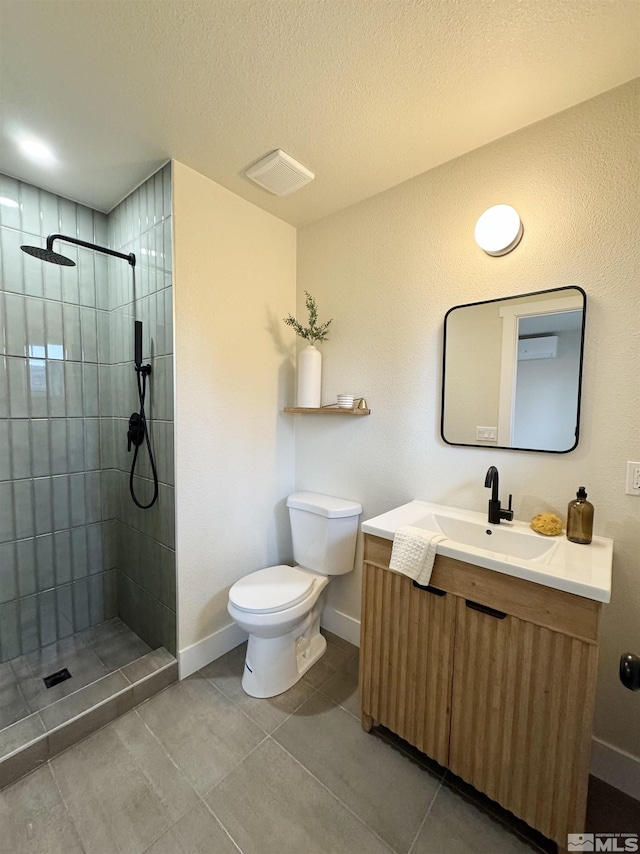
x=273 y=589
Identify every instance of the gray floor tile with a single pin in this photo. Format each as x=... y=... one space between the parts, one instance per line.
x=226 y=674
x=197 y=832
x=343 y=644
x=388 y=791
x=115 y=644
x=121 y=789
x=330 y=662
x=34 y=819
x=271 y=805
x=342 y=687
x=456 y=826
x=13 y=705
x=201 y=730
x=72 y=653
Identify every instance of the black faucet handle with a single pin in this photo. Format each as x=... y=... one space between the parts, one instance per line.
x=507 y=514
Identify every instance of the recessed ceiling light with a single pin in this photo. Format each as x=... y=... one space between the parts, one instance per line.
x=36 y=150
x=10 y=203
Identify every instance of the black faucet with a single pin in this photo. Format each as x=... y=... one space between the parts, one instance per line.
x=495 y=513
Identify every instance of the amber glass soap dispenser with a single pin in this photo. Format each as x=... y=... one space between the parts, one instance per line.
x=580 y=518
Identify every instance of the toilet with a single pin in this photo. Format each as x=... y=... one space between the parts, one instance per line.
x=280 y=606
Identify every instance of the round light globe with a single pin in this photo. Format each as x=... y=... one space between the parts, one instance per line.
x=499 y=230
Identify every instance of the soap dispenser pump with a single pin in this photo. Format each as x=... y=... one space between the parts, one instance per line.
x=580 y=518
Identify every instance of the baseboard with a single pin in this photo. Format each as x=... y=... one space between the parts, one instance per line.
x=346 y=627
x=199 y=654
x=616 y=767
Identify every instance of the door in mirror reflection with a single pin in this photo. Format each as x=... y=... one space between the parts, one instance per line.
x=512 y=371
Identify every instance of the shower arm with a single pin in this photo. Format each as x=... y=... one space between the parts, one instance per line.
x=131 y=258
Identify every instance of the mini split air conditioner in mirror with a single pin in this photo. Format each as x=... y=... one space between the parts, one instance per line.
x=544 y=347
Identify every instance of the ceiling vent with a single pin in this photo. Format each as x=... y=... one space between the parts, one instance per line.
x=279 y=173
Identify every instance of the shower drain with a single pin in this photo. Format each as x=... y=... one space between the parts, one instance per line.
x=57 y=677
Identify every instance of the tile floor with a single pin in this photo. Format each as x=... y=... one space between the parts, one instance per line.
x=202 y=767
x=89 y=655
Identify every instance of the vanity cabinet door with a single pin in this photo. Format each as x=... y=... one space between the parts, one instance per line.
x=522 y=708
x=406 y=655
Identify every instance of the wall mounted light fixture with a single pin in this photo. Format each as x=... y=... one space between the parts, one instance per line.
x=499 y=230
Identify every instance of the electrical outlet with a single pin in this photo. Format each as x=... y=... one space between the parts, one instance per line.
x=633 y=478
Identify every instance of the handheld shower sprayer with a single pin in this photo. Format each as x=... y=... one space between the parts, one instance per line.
x=138 y=431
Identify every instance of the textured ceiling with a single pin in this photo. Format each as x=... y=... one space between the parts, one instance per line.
x=365 y=93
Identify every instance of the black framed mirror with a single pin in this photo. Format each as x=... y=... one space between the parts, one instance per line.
x=512 y=372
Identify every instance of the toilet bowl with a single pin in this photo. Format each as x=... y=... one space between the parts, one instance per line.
x=280 y=609
x=280 y=606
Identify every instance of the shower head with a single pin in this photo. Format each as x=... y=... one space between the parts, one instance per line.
x=48 y=255
x=55 y=258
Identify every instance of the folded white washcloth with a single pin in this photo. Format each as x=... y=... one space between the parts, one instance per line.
x=414 y=551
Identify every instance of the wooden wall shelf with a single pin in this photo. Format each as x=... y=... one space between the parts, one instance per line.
x=326 y=410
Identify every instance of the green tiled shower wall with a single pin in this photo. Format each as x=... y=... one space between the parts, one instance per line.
x=145 y=539
x=64 y=382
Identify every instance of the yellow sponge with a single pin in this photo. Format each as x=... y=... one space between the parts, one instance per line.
x=547 y=524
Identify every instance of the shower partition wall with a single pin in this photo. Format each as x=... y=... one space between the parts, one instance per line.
x=145 y=539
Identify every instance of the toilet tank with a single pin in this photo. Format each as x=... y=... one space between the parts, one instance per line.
x=324 y=531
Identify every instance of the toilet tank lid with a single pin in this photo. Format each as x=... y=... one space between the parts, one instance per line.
x=324 y=505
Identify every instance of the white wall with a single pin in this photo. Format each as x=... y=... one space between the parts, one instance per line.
x=234 y=269
x=388 y=269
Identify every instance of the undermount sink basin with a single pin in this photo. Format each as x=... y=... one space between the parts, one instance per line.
x=511 y=547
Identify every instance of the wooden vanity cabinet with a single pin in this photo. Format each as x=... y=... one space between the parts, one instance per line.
x=492 y=676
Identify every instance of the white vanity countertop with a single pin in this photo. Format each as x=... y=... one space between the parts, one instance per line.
x=581 y=569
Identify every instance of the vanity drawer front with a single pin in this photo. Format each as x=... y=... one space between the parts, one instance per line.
x=544 y=606
x=522 y=711
x=406 y=657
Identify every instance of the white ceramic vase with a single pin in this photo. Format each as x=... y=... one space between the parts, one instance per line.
x=309 y=376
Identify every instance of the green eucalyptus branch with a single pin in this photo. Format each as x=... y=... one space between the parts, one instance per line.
x=313 y=332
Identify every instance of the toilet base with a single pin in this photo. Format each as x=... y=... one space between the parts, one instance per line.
x=273 y=665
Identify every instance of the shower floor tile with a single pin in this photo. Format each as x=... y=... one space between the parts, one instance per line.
x=88 y=655
x=115 y=644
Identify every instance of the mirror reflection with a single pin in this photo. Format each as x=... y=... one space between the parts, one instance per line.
x=512 y=371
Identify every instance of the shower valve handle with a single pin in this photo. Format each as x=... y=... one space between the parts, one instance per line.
x=135 y=433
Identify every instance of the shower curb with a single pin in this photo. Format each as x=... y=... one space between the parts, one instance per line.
x=32 y=741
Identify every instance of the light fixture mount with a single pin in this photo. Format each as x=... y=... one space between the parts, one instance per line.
x=499 y=230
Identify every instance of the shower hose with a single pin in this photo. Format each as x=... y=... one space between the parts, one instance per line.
x=142 y=435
